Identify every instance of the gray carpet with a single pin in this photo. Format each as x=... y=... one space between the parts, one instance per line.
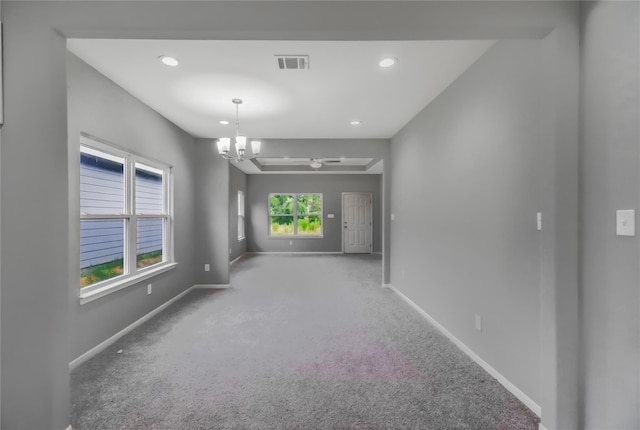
x=299 y=342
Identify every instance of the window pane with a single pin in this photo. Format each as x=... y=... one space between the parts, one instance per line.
x=282 y=226
x=240 y=203
x=150 y=234
x=281 y=204
x=309 y=204
x=101 y=250
x=309 y=225
x=149 y=190
x=240 y=227
x=101 y=183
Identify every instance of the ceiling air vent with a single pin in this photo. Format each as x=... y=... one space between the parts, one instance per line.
x=293 y=62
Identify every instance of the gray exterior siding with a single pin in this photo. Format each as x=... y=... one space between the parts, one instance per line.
x=101 y=241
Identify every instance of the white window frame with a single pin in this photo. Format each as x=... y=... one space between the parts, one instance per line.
x=241 y=210
x=132 y=274
x=295 y=234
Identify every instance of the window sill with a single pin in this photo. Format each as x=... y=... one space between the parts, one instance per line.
x=295 y=237
x=112 y=287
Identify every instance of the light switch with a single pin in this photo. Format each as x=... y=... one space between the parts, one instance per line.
x=393 y=217
x=539 y=220
x=626 y=222
x=330 y=215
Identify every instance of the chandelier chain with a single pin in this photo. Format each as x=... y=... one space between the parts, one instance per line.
x=237 y=121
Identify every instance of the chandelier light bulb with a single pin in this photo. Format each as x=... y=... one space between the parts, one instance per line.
x=224 y=145
x=241 y=143
x=255 y=147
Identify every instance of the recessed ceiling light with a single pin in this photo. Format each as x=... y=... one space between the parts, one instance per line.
x=355 y=123
x=224 y=122
x=387 y=62
x=168 y=61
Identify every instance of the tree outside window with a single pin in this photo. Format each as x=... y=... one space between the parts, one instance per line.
x=295 y=215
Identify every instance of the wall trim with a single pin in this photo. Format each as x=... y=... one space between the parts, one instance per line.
x=535 y=408
x=235 y=260
x=212 y=286
x=298 y=252
x=105 y=344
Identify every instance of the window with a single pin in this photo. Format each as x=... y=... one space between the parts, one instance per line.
x=295 y=215
x=240 y=215
x=125 y=219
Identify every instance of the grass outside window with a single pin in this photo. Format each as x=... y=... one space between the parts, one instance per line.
x=102 y=272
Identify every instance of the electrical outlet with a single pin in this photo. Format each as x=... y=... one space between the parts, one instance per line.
x=291 y=242
x=207 y=267
x=626 y=222
x=478 y=322
x=149 y=288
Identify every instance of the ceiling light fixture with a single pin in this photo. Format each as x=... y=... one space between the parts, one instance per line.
x=224 y=143
x=168 y=61
x=316 y=163
x=224 y=122
x=355 y=123
x=387 y=62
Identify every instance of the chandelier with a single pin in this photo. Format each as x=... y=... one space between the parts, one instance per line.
x=224 y=143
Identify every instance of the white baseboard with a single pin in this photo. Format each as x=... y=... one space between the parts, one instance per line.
x=104 y=345
x=535 y=408
x=541 y=427
x=294 y=253
x=212 y=286
x=237 y=258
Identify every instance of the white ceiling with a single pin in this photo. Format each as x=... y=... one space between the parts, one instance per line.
x=343 y=83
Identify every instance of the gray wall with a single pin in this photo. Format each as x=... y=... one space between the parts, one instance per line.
x=100 y=108
x=237 y=182
x=376 y=149
x=465 y=192
x=610 y=173
x=212 y=214
x=331 y=187
x=34 y=158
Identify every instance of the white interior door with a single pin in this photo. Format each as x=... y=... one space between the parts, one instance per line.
x=357 y=223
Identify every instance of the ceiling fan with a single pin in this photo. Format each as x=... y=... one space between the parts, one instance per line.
x=317 y=163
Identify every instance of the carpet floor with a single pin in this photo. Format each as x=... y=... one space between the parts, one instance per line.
x=298 y=342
